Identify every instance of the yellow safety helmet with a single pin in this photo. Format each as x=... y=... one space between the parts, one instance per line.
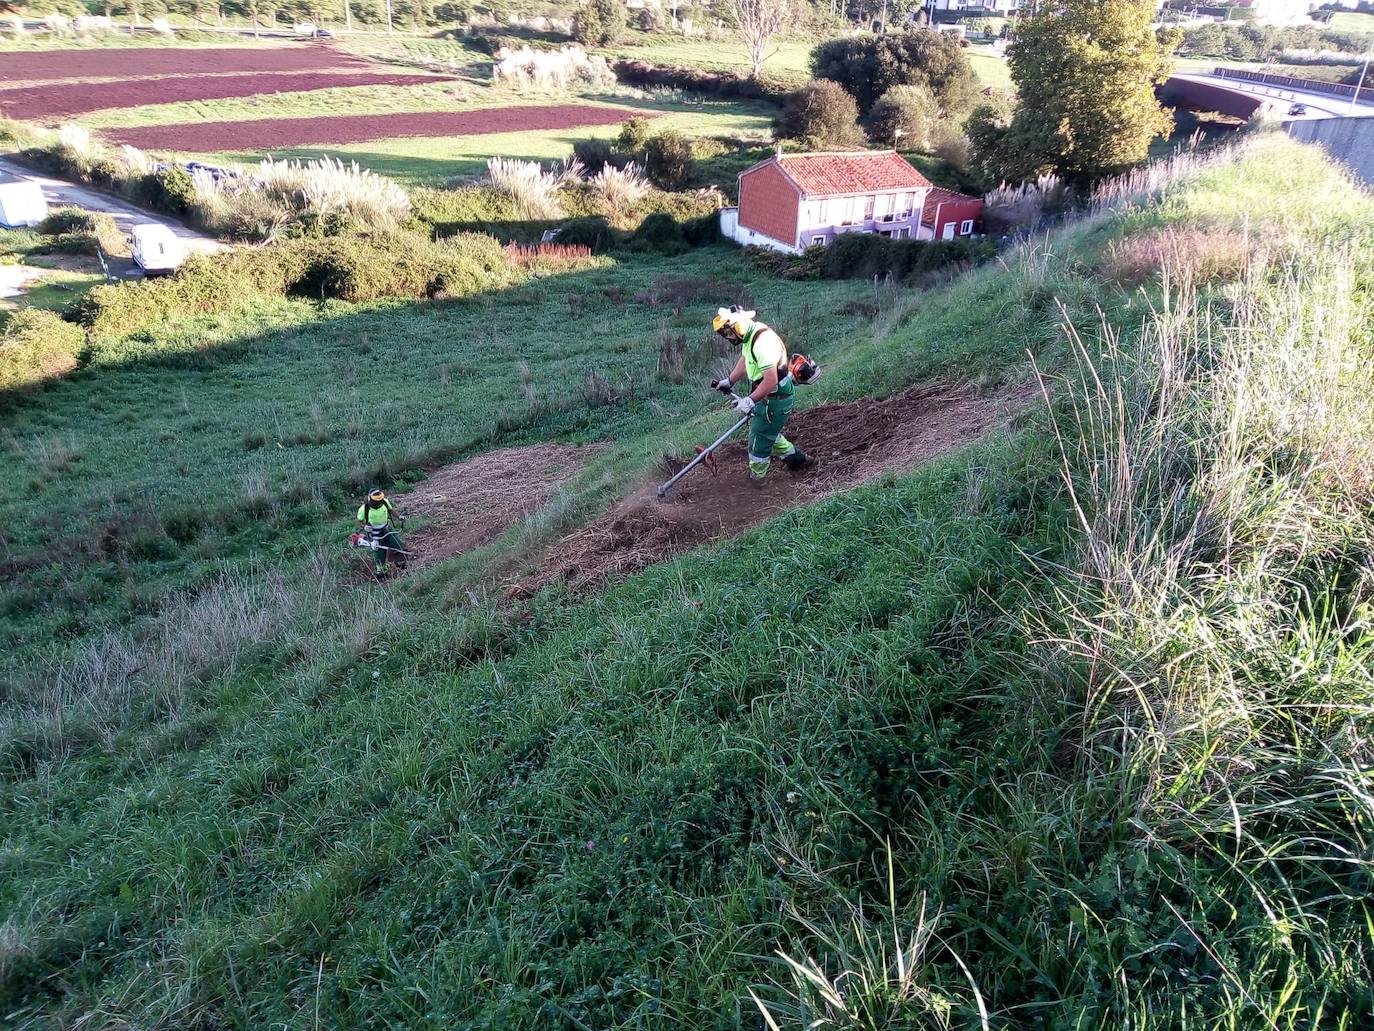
x=376 y=494
x=734 y=317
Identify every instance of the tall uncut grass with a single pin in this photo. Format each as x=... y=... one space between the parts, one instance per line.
x=1218 y=626
x=527 y=68
x=534 y=191
x=260 y=202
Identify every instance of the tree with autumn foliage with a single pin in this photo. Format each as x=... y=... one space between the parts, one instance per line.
x=1085 y=72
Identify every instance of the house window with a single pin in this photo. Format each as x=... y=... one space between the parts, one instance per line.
x=885 y=232
x=818 y=241
x=868 y=208
x=966 y=227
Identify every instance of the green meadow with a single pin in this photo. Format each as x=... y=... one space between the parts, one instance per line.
x=1067 y=729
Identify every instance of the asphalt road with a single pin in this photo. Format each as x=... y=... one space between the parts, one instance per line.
x=59 y=193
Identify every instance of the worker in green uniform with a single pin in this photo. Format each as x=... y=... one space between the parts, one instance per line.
x=763 y=361
x=375 y=517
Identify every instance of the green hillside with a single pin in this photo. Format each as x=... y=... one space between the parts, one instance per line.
x=1070 y=728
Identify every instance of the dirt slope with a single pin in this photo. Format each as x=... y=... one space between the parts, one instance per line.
x=847 y=443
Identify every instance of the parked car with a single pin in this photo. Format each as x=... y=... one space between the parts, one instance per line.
x=322 y=34
x=156 y=249
x=1298 y=109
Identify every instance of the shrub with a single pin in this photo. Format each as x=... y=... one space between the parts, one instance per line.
x=644 y=75
x=599 y=23
x=82 y=232
x=668 y=160
x=822 y=116
x=533 y=190
x=868 y=66
x=438 y=213
x=357 y=268
x=593 y=232
x=178 y=191
x=595 y=154
x=36 y=345
x=634 y=135
x=703 y=230
x=951 y=146
x=910 y=111
x=864 y=255
x=659 y=232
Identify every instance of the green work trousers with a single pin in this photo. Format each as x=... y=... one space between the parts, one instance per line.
x=386 y=538
x=766 y=441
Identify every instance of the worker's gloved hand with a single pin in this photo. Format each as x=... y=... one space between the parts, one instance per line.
x=744 y=405
x=723 y=385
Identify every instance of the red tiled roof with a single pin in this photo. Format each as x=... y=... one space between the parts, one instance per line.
x=859 y=172
x=939 y=195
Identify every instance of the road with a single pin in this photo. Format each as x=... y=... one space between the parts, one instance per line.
x=1319 y=105
x=59 y=193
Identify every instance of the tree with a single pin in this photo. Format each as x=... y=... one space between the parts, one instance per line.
x=821 y=115
x=903 y=118
x=868 y=66
x=757 y=22
x=599 y=23
x=1086 y=74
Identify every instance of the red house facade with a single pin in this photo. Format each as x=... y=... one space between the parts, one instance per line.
x=949 y=215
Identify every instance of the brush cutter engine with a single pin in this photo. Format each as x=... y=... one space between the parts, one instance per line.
x=803 y=370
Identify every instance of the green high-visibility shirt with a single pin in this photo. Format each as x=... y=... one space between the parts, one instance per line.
x=763 y=350
x=379 y=516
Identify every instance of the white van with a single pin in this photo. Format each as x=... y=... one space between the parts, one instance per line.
x=156 y=249
x=22 y=204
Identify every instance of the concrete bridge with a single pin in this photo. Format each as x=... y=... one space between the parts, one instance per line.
x=1243 y=94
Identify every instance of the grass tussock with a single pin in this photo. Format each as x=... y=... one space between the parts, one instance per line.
x=533 y=190
x=550 y=70
x=1203 y=255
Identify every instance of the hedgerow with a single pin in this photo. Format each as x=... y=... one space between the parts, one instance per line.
x=36 y=345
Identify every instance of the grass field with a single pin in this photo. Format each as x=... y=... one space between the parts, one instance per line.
x=435 y=161
x=1077 y=719
x=1351 y=21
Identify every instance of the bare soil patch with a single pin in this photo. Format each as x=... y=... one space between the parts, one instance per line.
x=280 y=133
x=472 y=503
x=77 y=98
x=847 y=444
x=147 y=61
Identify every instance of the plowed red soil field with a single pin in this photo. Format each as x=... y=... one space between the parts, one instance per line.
x=279 y=133
x=65 y=99
x=142 y=62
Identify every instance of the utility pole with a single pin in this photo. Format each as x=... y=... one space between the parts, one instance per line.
x=389 y=26
x=1360 y=83
x=348 y=15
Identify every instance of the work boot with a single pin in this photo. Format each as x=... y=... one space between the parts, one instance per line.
x=794 y=459
x=756 y=482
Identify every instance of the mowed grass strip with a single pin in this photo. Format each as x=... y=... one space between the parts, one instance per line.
x=272 y=133
x=57 y=101
x=86 y=64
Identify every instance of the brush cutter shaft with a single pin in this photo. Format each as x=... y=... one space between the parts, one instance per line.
x=703 y=456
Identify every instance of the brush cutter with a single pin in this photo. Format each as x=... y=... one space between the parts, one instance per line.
x=362 y=540
x=703 y=455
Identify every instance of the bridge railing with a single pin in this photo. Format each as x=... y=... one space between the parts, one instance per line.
x=1334 y=89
